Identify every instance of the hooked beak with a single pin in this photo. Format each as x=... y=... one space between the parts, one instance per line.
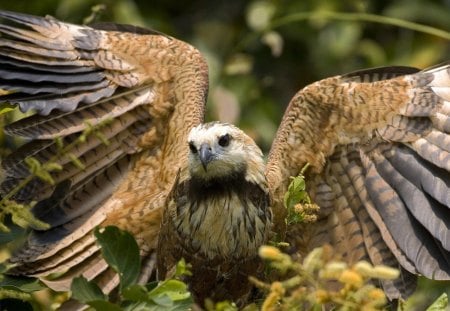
x=206 y=155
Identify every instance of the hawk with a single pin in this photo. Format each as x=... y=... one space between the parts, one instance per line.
x=218 y=214
x=377 y=141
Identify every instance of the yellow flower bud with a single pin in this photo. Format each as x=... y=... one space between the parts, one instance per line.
x=308 y=219
x=278 y=288
x=269 y=252
x=376 y=294
x=333 y=270
x=276 y=293
x=351 y=278
x=298 y=208
x=313 y=260
x=364 y=268
x=385 y=272
x=312 y=208
x=322 y=296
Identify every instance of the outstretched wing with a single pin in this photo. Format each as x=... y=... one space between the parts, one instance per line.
x=139 y=90
x=378 y=142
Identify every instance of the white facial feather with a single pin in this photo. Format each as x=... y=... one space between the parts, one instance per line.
x=242 y=152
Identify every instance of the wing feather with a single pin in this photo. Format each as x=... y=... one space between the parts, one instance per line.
x=379 y=235
x=125 y=87
x=416 y=194
x=427 y=179
x=36 y=67
x=378 y=144
x=418 y=244
x=120 y=129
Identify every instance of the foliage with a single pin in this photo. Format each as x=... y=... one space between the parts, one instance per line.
x=310 y=285
x=123 y=255
x=440 y=304
x=298 y=203
x=121 y=252
x=305 y=284
x=321 y=281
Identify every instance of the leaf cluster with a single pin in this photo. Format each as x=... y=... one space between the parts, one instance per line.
x=298 y=204
x=121 y=252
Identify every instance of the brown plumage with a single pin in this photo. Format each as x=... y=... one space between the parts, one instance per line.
x=378 y=142
x=217 y=214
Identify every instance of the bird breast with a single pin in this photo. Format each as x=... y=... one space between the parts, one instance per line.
x=225 y=221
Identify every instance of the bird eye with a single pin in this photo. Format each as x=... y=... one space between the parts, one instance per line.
x=192 y=147
x=224 y=140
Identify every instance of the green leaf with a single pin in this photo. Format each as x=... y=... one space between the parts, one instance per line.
x=53 y=166
x=102 y=138
x=146 y=306
x=296 y=194
x=225 y=306
x=59 y=143
x=183 y=268
x=4 y=108
x=121 y=252
x=76 y=161
x=22 y=216
x=168 y=295
x=440 y=304
x=85 y=291
x=151 y=285
x=135 y=293
x=140 y=306
x=174 y=289
x=23 y=284
x=163 y=301
x=103 y=305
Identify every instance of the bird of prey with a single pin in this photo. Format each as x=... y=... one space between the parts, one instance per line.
x=377 y=142
x=218 y=214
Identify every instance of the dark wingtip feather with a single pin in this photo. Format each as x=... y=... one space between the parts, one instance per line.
x=414 y=240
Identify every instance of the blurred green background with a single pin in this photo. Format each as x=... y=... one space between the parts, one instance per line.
x=255 y=68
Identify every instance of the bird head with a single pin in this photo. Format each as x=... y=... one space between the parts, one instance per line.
x=219 y=150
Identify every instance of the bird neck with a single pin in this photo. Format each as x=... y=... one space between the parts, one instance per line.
x=212 y=185
x=226 y=217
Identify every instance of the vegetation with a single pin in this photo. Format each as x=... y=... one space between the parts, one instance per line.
x=305 y=284
x=260 y=53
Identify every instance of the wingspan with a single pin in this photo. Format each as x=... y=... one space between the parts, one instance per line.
x=127 y=85
x=378 y=142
